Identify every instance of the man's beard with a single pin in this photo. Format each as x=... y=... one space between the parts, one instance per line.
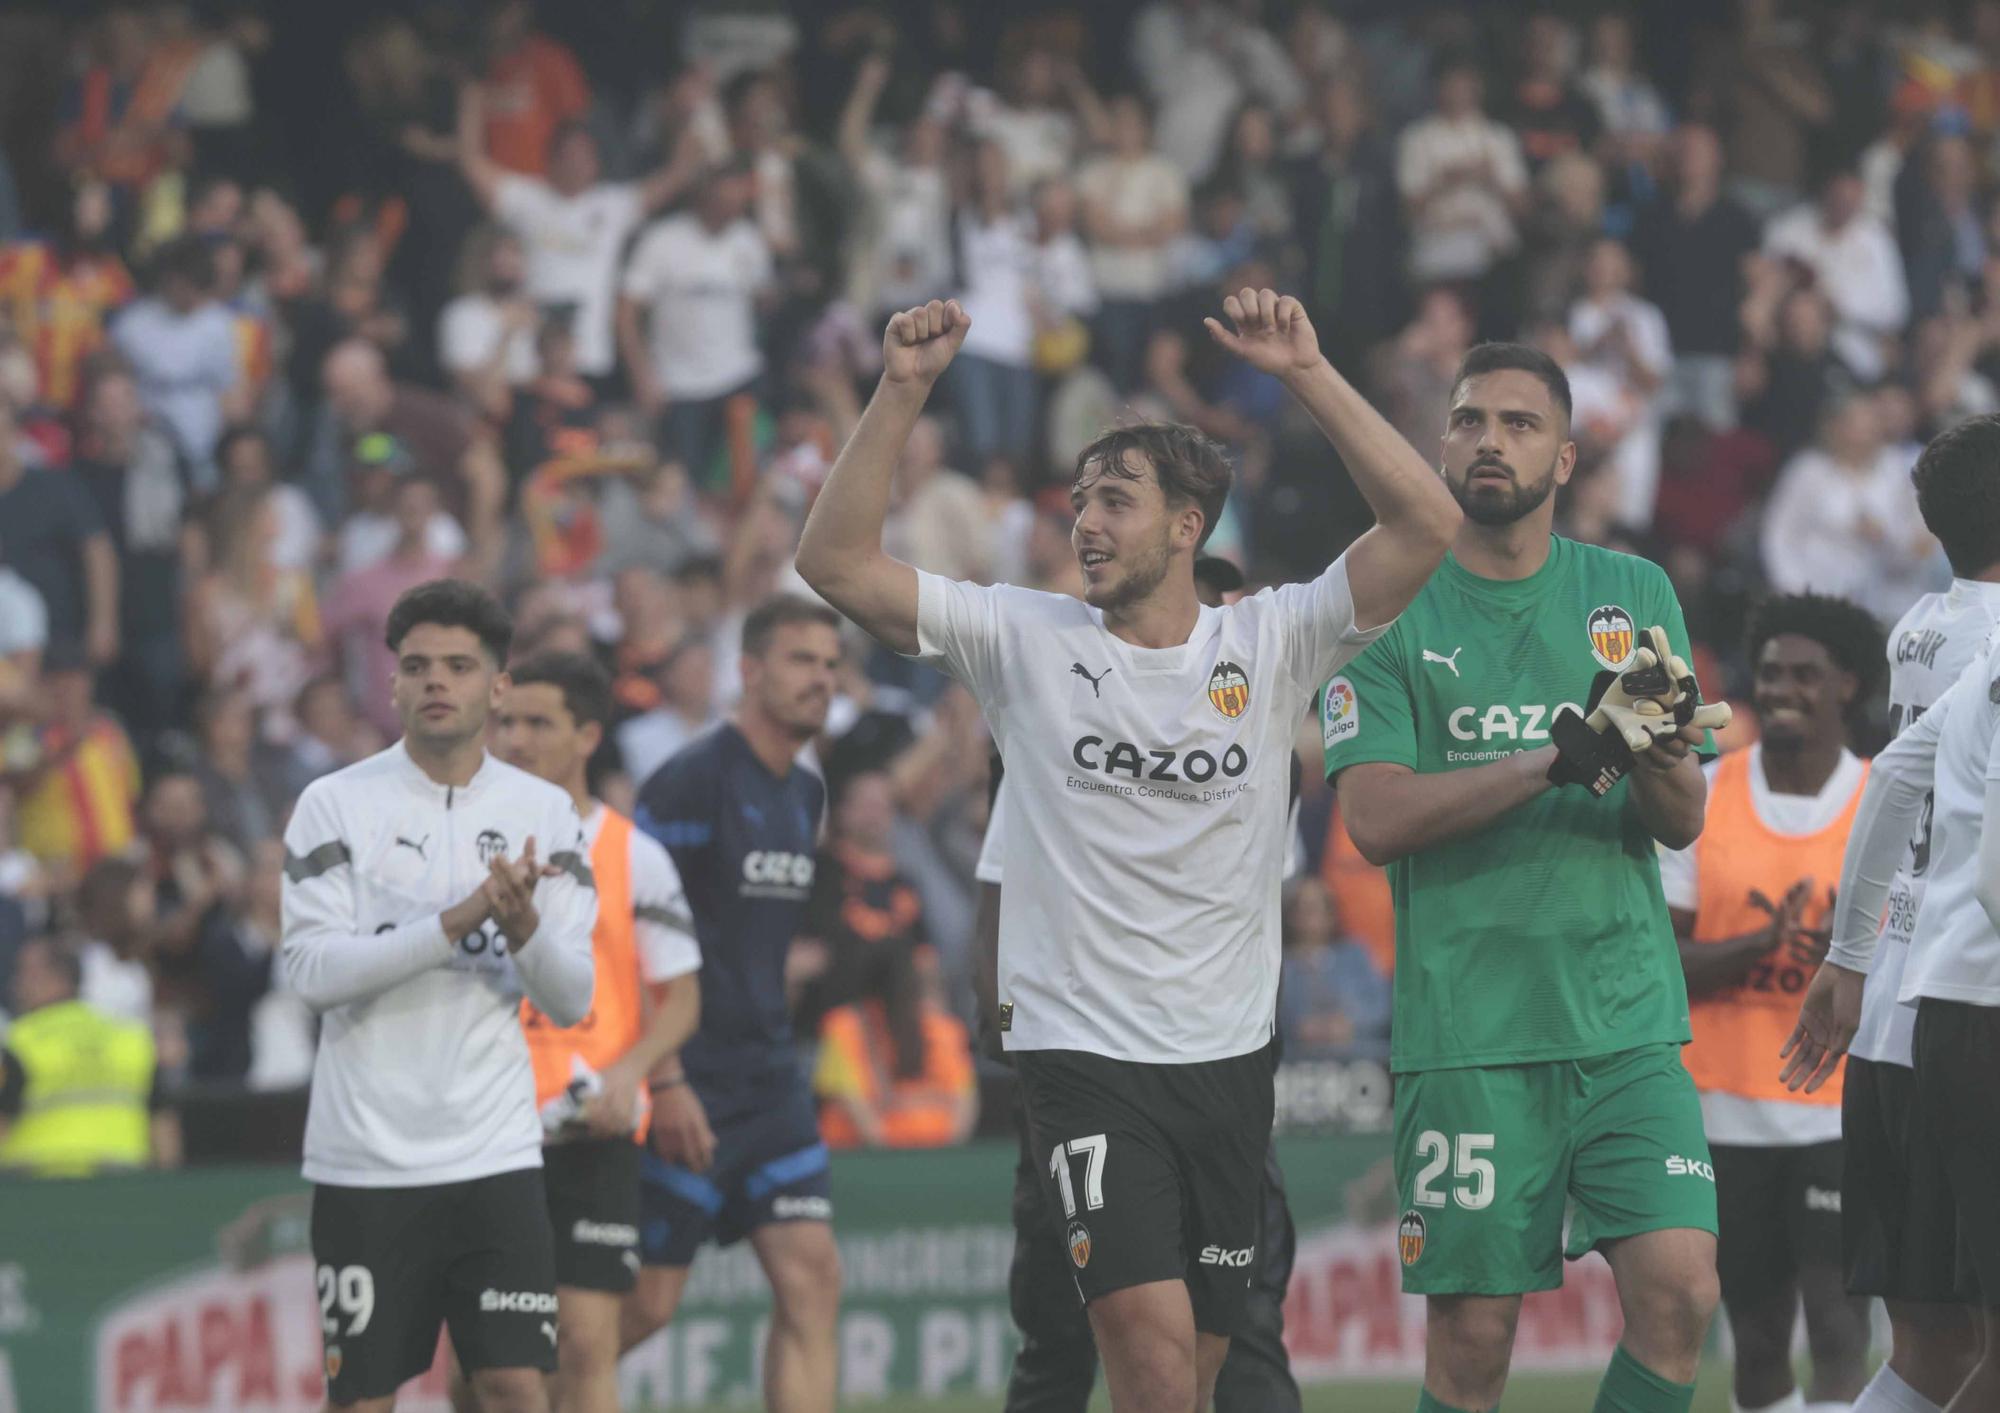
x=1494 y=507
x=1145 y=575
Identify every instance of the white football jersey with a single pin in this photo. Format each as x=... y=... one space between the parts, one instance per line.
x=422 y=1075
x=1148 y=814
x=1954 y=952
x=1927 y=650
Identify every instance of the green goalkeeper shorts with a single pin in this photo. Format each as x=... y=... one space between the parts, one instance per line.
x=1488 y=1159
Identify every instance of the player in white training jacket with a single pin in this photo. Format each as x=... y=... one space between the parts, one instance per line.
x=426 y=890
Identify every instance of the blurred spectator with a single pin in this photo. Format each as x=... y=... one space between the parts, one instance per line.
x=250 y=625
x=655 y=518
x=438 y=437
x=1063 y=292
x=992 y=381
x=331 y=734
x=114 y=910
x=1939 y=227
x=574 y=225
x=1772 y=98
x=1253 y=163
x=358 y=604
x=1629 y=107
x=874 y=1093
x=486 y=339
x=181 y=346
x=652 y=618
x=694 y=285
x=1332 y=1001
x=241 y=778
x=79 y=782
x=1853 y=259
x=206 y=979
x=120 y=119
x=1788 y=384
x=58 y=295
x=902 y=252
x=1565 y=223
x=686 y=707
x=1626 y=337
x=140 y=485
x=1692 y=241
x=556 y=408
x=1135 y=203
x=1349 y=222
x=368 y=535
x=531 y=84
x=78 y=1093
x=1843 y=519
x=283 y=1029
x=244 y=459
x=1463 y=183
x=1199 y=60
x=24 y=630
x=1029 y=117
x=51 y=535
x=1413 y=376
x=1548 y=110
x=939 y=521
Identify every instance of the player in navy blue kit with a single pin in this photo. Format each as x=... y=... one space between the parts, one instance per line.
x=735 y=1132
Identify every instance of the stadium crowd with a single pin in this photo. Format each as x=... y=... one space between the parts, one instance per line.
x=299 y=311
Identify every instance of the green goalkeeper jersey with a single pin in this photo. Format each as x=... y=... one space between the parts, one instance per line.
x=1543 y=936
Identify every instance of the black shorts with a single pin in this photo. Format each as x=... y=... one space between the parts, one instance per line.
x=1899 y=1228
x=593 y=1188
x=1776 y=1209
x=1157 y=1171
x=395 y=1263
x=1958 y=1054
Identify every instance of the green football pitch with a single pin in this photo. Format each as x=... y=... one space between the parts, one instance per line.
x=1529 y=1393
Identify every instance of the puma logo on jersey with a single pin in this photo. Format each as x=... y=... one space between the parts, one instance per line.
x=1677 y=1166
x=1096 y=683
x=1451 y=662
x=417 y=846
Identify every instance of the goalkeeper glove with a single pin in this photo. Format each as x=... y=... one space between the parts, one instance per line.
x=1627 y=711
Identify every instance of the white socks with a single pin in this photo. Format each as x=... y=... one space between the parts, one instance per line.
x=1886 y=1393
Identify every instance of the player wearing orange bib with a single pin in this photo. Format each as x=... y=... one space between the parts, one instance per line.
x=1751 y=901
x=592 y=1078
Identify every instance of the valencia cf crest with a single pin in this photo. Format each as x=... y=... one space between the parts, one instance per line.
x=1410 y=1234
x=1229 y=689
x=333 y=1362
x=1079 y=1244
x=1611 y=635
x=492 y=844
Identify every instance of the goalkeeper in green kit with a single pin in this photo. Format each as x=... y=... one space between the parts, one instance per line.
x=1513 y=748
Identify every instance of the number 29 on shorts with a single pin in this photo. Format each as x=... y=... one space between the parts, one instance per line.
x=1472 y=1174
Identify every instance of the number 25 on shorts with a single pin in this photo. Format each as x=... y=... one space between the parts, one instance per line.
x=1436 y=1151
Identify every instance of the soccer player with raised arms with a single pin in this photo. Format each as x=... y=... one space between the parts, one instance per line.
x=1539 y=1006
x=1147 y=739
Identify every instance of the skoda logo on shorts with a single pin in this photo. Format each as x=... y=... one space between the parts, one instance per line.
x=1410 y=1233
x=1079 y=1244
x=492 y=844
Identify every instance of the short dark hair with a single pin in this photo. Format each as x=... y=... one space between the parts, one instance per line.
x=584 y=684
x=236 y=435
x=1191 y=465
x=1848 y=632
x=452 y=603
x=188 y=257
x=782 y=611
x=1486 y=358
x=1958 y=490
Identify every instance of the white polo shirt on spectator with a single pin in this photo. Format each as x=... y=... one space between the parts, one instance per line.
x=1144 y=191
x=1861 y=271
x=469 y=335
x=701 y=288
x=184 y=364
x=573 y=245
x=1466 y=225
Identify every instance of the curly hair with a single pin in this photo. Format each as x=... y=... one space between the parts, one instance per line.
x=452 y=603
x=1958 y=490
x=1848 y=632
